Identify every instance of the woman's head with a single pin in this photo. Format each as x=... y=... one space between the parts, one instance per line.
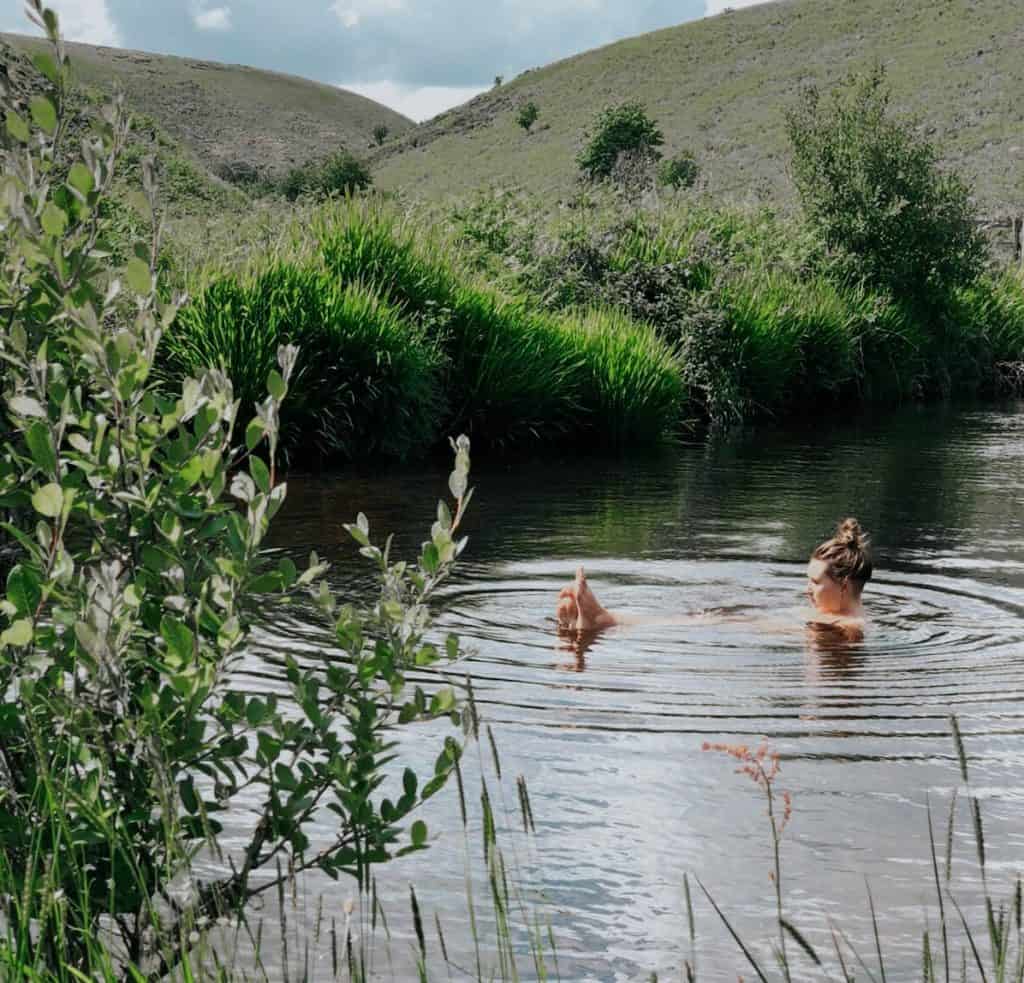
x=839 y=569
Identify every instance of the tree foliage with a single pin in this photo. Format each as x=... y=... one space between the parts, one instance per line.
x=528 y=115
x=138 y=518
x=872 y=189
x=680 y=171
x=340 y=174
x=619 y=130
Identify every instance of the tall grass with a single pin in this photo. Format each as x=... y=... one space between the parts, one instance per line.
x=366 y=382
x=401 y=346
x=628 y=379
x=764 y=320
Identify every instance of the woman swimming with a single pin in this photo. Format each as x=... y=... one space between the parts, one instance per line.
x=836 y=574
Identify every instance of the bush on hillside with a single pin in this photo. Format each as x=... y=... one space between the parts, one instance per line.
x=680 y=171
x=340 y=174
x=872 y=189
x=619 y=130
x=528 y=115
x=380 y=134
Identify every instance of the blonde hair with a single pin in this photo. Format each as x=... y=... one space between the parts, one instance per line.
x=847 y=553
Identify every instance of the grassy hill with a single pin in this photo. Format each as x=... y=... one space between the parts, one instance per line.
x=719 y=87
x=231 y=114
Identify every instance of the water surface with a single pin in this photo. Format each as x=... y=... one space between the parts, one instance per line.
x=609 y=735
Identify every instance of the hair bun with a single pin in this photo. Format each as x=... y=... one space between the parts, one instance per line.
x=849 y=532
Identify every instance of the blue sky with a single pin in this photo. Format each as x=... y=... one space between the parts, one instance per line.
x=419 y=56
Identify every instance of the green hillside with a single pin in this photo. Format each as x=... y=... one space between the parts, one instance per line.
x=719 y=87
x=228 y=115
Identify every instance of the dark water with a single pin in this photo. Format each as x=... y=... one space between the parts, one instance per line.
x=609 y=739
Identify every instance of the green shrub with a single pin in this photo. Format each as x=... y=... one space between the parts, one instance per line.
x=340 y=174
x=528 y=115
x=680 y=171
x=619 y=130
x=138 y=569
x=366 y=380
x=380 y=134
x=872 y=190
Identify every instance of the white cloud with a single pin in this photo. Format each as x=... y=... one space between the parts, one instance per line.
x=351 y=13
x=88 y=21
x=417 y=102
x=717 y=6
x=215 y=19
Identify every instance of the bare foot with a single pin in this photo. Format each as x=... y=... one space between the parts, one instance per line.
x=579 y=610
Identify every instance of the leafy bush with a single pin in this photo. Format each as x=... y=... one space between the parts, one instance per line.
x=340 y=174
x=528 y=115
x=380 y=134
x=619 y=130
x=366 y=380
x=872 y=190
x=137 y=570
x=680 y=171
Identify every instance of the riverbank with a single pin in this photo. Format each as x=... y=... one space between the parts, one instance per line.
x=608 y=325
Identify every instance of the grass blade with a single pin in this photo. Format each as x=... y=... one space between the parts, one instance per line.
x=746 y=952
x=797 y=937
x=938 y=891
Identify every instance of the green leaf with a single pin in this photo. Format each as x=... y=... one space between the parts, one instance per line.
x=139 y=276
x=179 y=638
x=431 y=559
x=23 y=590
x=17 y=127
x=276 y=385
x=44 y=114
x=80 y=178
x=45 y=65
x=54 y=220
x=48 y=500
x=260 y=474
x=254 y=433
x=419 y=833
x=18 y=635
x=26 y=406
x=187 y=791
x=41 y=447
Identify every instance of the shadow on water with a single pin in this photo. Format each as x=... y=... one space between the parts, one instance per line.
x=607 y=729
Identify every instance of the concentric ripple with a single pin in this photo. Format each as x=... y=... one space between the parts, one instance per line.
x=608 y=734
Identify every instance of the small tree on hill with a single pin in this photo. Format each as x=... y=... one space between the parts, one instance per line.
x=872 y=190
x=380 y=134
x=528 y=115
x=342 y=173
x=624 y=129
x=680 y=171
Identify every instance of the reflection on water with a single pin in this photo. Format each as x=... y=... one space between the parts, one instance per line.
x=607 y=730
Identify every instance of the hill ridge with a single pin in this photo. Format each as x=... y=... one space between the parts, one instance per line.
x=267 y=119
x=718 y=86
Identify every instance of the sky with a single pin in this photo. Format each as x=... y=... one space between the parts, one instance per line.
x=417 y=56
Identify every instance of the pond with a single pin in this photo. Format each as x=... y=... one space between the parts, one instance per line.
x=609 y=736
